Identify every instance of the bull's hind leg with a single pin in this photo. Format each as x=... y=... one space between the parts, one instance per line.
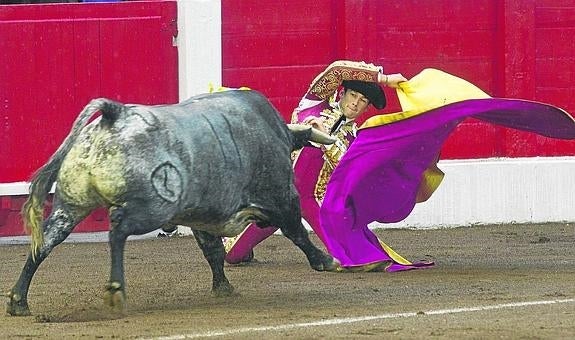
x=124 y=222
x=213 y=250
x=55 y=229
x=115 y=290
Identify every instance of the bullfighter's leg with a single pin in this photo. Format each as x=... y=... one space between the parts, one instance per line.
x=241 y=247
x=214 y=252
x=56 y=229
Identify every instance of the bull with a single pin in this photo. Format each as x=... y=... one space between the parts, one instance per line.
x=216 y=163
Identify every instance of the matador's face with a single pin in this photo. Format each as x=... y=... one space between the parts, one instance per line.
x=353 y=104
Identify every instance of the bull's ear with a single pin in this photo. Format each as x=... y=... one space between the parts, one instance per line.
x=304 y=134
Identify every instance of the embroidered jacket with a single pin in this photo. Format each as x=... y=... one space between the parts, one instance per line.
x=319 y=101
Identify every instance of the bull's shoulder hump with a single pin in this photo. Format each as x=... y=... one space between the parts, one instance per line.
x=224 y=96
x=240 y=107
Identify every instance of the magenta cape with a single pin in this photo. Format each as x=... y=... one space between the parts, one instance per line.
x=392 y=159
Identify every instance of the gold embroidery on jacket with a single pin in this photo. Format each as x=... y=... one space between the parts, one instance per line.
x=332 y=155
x=331 y=117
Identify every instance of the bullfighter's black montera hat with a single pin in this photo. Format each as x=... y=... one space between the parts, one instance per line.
x=372 y=91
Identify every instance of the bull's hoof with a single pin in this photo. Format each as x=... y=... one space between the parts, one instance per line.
x=16 y=306
x=17 y=310
x=115 y=298
x=325 y=263
x=223 y=290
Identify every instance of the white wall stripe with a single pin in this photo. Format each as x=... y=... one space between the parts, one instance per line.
x=481 y=191
x=499 y=190
x=199 y=46
x=14 y=189
x=340 y=321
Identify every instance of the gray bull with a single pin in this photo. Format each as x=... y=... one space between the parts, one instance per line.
x=215 y=162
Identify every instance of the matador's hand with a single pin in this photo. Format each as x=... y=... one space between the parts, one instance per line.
x=392 y=80
x=316 y=122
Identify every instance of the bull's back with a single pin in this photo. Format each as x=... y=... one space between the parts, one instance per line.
x=234 y=137
x=205 y=152
x=237 y=109
x=232 y=129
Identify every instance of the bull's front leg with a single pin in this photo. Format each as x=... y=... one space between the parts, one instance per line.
x=213 y=250
x=291 y=226
x=318 y=260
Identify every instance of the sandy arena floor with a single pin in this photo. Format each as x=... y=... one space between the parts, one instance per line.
x=512 y=281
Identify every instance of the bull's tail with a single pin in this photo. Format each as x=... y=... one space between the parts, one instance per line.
x=44 y=178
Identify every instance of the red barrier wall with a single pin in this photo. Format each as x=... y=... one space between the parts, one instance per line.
x=54 y=58
x=521 y=49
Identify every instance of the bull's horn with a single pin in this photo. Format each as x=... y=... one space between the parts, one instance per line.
x=316 y=135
